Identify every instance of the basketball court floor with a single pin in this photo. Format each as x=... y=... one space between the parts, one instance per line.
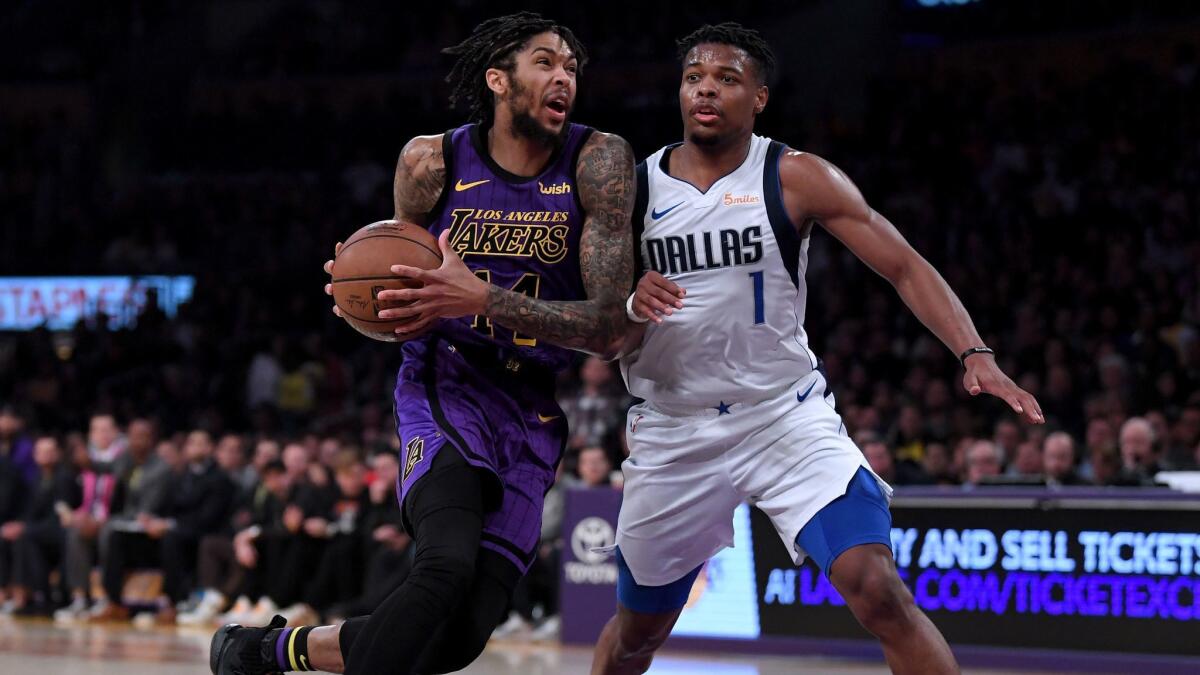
x=41 y=648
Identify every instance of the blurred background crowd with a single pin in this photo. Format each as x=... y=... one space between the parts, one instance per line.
x=1047 y=164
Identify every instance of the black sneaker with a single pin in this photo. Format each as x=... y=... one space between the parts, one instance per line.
x=237 y=650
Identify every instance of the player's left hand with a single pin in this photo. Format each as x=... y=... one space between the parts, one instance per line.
x=450 y=291
x=984 y=376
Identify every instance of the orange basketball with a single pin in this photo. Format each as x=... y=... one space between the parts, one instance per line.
x=363 y=268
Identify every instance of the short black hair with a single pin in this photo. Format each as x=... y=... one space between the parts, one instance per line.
x=492 y=45
x=734 y=35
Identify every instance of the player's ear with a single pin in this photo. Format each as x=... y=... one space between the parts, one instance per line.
x=497 y=81
x=760 y=99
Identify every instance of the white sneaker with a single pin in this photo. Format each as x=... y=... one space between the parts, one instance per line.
x=99 y=608
x=238 y=613
x=262 y=613
x=143 y=620
x=76 y=611
x=514 y=627
x=300 y=614
x=548 y=630
x=206 y=610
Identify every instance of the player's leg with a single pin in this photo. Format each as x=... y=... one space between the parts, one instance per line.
x=446 y=512
x=461 y=639
x=677 y=511
x=850 y=539
x=645 y=616
x=866 y=578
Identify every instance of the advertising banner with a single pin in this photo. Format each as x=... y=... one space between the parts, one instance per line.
x=1036 y=572
x=59 y=302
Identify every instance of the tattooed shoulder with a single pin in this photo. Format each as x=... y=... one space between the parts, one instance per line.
x=605 y=177
x=420 y=176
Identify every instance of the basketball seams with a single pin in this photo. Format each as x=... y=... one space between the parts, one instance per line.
x=390 y=277
x=436 y=254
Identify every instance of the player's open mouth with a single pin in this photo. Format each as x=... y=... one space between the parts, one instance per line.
x=556 y=105
x=705 y=114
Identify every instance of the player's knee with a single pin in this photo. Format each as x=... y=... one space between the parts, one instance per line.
x=880 y=601
x=452 y=574
x=467 y=648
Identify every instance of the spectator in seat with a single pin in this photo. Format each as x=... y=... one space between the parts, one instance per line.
x=594 y=469
x=139 y=485
x=198 y=504
x=1140 y=460
x=341 y=526
x=31 y=546
x=16 y=446
x=598 y=407
x=984 y=459
x=885 y=464
x=387 y=545
x=1058 y=460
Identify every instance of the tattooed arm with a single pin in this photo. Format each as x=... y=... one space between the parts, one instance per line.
x=420 y=176
x=597 y=325
x=604 y=178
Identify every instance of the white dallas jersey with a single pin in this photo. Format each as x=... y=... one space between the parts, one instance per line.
x=740 y=335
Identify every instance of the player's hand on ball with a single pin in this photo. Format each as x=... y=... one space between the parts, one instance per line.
x=450 y=291
x=657 y=297
x=337 y=248
x=984 y=376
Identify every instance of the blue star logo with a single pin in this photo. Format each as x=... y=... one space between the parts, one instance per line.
x=722 y=408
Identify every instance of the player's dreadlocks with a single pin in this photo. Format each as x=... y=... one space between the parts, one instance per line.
x=492 y=45
x=734 y=35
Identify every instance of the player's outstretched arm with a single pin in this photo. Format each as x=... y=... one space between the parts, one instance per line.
x=817 y=191
x=416 y=187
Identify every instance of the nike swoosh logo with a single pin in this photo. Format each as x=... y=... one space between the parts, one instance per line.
x=659 y=214
x=546 y=418
x=800 y=397
x=460 y=186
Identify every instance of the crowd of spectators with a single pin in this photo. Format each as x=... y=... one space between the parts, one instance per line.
x=254 y=428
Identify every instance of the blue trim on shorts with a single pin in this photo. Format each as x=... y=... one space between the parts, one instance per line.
x=859 y=517
x=652 y=599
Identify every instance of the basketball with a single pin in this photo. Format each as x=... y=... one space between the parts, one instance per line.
x=363 y=268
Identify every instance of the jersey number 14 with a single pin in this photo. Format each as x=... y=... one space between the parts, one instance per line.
x=530 y=284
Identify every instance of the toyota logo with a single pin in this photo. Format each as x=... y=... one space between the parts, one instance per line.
x=592 y=533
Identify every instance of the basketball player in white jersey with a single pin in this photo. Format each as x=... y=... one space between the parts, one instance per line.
x=736 y=407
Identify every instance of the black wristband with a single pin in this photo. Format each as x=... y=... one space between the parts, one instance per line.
x=962 y=358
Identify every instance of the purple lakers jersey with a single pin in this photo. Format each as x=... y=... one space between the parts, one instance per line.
x=519 y=233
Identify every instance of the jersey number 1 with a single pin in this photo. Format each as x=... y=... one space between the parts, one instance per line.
x=529 y=284
x=760 y=311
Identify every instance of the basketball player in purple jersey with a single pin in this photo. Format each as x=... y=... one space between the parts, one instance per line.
x=533 y=214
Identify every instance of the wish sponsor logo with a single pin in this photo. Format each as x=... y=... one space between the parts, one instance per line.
x=563 y=188
x=592 y=541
